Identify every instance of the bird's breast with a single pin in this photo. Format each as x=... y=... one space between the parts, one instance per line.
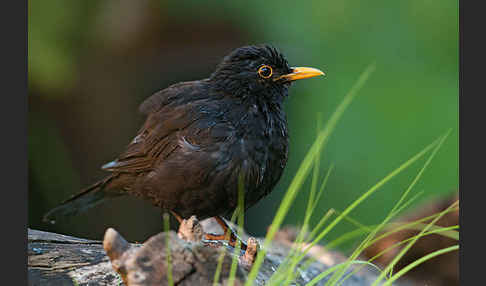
x=261 y=129
x=261 y=140
x=261 y=150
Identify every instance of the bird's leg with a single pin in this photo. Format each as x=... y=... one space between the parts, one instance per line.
x=250 y=248
x=228 y=234
x=178 y=217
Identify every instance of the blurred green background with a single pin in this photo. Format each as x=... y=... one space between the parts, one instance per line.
x=91 y=63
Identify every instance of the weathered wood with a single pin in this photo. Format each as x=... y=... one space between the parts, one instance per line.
x=55 y=259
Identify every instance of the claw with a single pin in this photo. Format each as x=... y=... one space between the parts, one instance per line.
x=190 y=230
x=251 y=251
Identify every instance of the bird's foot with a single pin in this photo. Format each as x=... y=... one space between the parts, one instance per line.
x=190 y=230
x=248 y=250
x=251 y=251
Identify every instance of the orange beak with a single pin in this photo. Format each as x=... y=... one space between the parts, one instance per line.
x=301 y=73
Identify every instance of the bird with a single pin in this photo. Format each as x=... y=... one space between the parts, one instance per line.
x=200 y=137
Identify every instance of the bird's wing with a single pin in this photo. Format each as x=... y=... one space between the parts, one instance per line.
x=168 y=111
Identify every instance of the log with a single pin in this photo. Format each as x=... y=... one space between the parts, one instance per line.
x=55 y=259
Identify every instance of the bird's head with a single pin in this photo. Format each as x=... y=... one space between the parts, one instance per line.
x=260 y=71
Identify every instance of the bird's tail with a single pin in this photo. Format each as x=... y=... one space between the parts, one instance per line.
x=78 y=203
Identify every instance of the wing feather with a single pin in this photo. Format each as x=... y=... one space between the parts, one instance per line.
x=168 y=112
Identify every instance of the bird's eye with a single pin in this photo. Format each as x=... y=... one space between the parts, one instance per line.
x=265 y=71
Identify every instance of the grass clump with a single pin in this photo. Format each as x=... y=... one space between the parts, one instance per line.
x=336 y=275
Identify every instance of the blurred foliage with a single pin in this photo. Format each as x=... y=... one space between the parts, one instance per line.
x=92 y=62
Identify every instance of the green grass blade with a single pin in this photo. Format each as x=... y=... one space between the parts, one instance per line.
x=351 y=273
x=407 y=203
x=241 y=221
x=355 y=222
x=346 y=237
x=315 y=176
x=321 y=189
x=219 y=266
x=170 y=280
x=321 y=223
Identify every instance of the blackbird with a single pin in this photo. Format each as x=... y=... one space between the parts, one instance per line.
x=200 y=136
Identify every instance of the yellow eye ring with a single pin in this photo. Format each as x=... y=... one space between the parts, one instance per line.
x=265 y=71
